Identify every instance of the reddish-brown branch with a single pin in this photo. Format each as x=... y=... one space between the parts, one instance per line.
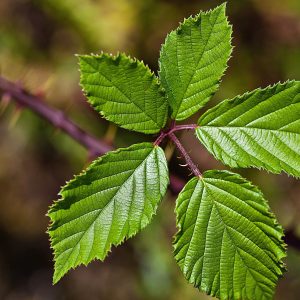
x=94 y=145
x=172 y=129
x=54 y=116
x=185 y=155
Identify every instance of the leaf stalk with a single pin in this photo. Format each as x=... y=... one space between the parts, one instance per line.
x=186 y=156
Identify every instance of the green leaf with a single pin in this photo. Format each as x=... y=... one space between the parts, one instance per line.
x=229 y=245
x=193 y=60
x=124 y=91
x=112 y=200
x=258 y=129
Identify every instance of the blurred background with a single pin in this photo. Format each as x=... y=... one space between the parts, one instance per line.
x=38 y=40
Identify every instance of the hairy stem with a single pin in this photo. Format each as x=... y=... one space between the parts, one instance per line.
x=186 y=156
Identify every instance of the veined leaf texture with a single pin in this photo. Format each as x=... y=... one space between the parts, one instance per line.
x=228 y=245
x=193 y=60
x=111 y=201
x=258 y=129
x=124 y=91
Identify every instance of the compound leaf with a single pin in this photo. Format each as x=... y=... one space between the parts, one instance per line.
x=229 y=245
x=258 y=129
x=193 y=60
x=124 y=91
x=111 y=201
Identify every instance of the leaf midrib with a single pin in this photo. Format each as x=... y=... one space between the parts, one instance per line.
x=249 y=95
x=123 y=93
x=118 y=188
x=197 y=65
x=95 y=219
x=264 y=288
x=234 y=244
x=215 y=203
x=264 y=164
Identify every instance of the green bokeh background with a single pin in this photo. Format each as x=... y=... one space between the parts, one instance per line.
x=38 y=40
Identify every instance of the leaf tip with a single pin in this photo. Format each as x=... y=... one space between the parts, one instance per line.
x=222 y=7
x=57 y=275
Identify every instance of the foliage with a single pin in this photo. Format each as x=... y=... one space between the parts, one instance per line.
x=123 y=90
x=228 y=243
x=193 y=59
x=112 y=200
x=258 y=129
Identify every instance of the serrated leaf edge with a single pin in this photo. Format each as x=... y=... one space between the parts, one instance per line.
x=57 y=277
x=135 y=63
x=251 y=187
x=176 y=31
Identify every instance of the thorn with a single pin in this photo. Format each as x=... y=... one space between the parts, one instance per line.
x=183 y=165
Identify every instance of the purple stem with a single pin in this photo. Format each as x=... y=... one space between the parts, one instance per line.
x=172 y=129
x=56 y=117
x=94 y=145
x=186 y=156
x=184 y=127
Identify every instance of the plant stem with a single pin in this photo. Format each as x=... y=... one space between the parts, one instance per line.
x=184 y=127
x=56 y=117
x=186 y=156
x=160 y=138
x=172 y=129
